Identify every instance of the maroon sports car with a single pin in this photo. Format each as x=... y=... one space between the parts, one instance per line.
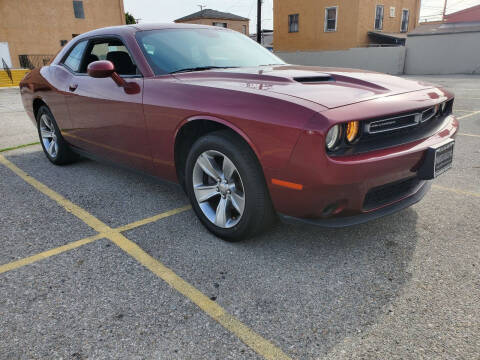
x=246 y=135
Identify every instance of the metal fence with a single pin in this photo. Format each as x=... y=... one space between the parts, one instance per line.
x=389 y=59
x=34 y=61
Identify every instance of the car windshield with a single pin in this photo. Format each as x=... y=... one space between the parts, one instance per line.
x=177 y=50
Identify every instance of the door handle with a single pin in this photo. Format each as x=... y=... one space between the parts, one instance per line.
x=73 y=87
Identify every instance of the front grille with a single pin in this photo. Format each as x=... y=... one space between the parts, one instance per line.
x=429 y=113
x=389 y=193
x=390 y=124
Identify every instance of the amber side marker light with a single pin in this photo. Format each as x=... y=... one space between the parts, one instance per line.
x=287 y=184
x=352 y=131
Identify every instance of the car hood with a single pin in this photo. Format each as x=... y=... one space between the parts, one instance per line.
x=328 y=87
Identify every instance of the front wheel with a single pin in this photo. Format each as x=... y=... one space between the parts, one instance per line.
x=227 y=188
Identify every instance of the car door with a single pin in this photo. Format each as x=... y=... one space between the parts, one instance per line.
x=106 y=120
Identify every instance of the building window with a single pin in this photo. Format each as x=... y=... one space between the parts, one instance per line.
x=244 y=29
x=405 y=18
x=63 y=42
x=78 y=9
x=392 y=11
x=331 y=19
x=293 y=23
x=220 y=24
x=379 y=17
x=74 y=35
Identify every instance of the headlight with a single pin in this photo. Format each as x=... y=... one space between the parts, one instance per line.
x=333 y=136
x=352 y=131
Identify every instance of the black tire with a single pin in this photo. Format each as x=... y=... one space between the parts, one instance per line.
x=63 y=155
x=258 y=213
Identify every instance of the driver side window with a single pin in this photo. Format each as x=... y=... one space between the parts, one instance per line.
x=112 y=50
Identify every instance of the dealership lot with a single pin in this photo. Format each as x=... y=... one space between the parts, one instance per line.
x=101 y=262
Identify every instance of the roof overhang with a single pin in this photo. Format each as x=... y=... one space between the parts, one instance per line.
x=388 y=38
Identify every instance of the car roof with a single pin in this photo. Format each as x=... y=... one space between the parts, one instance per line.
x=123 y=29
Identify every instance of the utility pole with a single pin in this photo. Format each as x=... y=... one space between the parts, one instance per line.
x=201 y=7
x=444 y=10
x=259 y=21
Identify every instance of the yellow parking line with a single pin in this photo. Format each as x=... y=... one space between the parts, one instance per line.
x=248 y=336
x=465 y=134
x=76 y=210
x=152 y=219
x=458 y=191
x=260 y=345
x=46 y=254
x=18 y=147
x=468 y=115
x=76 y=244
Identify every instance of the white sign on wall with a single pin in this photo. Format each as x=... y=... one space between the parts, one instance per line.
x=5 y=54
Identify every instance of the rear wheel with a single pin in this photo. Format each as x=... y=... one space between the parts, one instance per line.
x=226 y=187
x=54 y=145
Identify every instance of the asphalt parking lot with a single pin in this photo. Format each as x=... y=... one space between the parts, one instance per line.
x=99 y=262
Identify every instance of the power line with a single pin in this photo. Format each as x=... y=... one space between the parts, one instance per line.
x=456 y=3
x=251 y=8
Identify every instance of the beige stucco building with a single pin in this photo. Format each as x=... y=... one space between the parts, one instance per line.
x=217 y=18
x=337 y=25
x=32 y=27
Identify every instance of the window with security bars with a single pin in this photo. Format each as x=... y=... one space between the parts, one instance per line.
x=379 y=17
x=331 y=19
x=405 y=18
x=293 y=23
x=78 y=9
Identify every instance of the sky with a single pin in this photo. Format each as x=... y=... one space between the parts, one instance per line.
x=168 y=10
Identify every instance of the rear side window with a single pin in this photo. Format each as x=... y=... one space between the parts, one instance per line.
x=74 y=59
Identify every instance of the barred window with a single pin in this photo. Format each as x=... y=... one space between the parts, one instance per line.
x=293 y=23
x=78 y=9
x=405 y=18
x=379 y=17
x=331 y=19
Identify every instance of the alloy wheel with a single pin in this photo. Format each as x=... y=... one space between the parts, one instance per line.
x=218 y=189
x=49 y=137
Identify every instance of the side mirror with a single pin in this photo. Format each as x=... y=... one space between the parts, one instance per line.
x=101 y=69
x=104 y=69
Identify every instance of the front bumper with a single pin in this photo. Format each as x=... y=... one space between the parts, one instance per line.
x=339 y=222
x=336 y=191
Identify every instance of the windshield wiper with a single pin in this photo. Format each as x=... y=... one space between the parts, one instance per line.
x=201 y=68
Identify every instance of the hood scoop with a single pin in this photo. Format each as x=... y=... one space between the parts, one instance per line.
x=313 y=79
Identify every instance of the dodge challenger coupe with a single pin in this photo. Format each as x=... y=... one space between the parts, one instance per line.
x=248 y=136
